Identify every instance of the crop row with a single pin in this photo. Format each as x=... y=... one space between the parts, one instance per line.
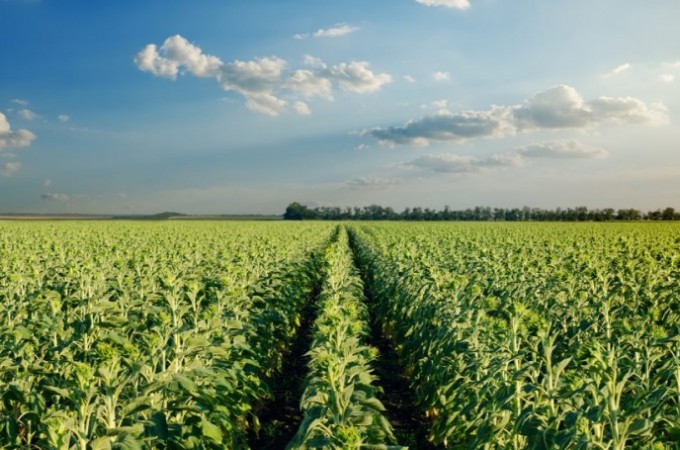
x=534 y=336
x=127 y=336
x=340 y=407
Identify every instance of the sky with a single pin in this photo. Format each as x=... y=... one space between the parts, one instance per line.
x=217 y=107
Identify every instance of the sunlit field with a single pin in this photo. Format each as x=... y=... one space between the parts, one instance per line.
x=176 y=334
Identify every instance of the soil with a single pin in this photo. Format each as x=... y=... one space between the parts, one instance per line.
x=281 y=418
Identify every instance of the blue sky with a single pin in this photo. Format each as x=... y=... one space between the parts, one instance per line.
x=243 y=107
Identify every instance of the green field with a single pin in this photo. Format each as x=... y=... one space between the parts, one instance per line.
x=181 y=335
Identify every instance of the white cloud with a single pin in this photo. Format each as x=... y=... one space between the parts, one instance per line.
x=13 y=139
x=9 y=168
x=20 y=102
x=265 y=103
x=314 y=62
x=445 y=126
x=257 y=76
x=455 y=4
x=561 y=149
x=47 y=182
x=409 y=79
x=627 y=110
x=256 y=80
x=451 y=163
x=454 y=164
x=262 y=80
x=357 y=77
x=362 y=147
x=178 y=49
x=310 y=84
x=373 y=183
x=63 y=118
x=667 y=77
x=672 y=65
x=55 y=197
x=301 y=108
x=149 y=60
x=177 y=53
x=27 y=114
x=617 y=70
x=338 y=30
x=557 y=108
x=441 y=76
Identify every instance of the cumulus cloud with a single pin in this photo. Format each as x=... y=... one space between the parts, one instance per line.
x=373 y=183
x=265 y=83
x=63 y=118
x=55 y=197
x=310 y=84
x=257 y=76
x=441 y=76
x=9 y=168
x=314 y=62
x=457 y=164
x=27 y=114
x=557 y=108
x=301 y=108
x=409 y=79
x=454 y=4
x=617 y=70
x=667 y=77
x=452 y=163
x=569 y=149
x=357 y=77
x=177 y=53
x=13 y=139
x=149 y=60
x=445 y=126
x=47 y=182
x=256 y=81
x=20 y=102
x=265 y=103
x=672 y=65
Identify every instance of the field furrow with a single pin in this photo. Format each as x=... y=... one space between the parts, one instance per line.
x=538 y=336
x=340 y=400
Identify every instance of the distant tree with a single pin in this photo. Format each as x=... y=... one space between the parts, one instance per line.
x=628 y=214
x=668 y=214
x=296 y=211
x=654 y=215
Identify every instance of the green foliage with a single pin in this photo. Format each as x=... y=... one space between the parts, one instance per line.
x=534 y=336
x=136 y=335
x=123 y=335
x=339 y=401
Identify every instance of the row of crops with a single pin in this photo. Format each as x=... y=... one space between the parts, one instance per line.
x=340 y=401
x=117 y=335
x=171 y=335
x=534 y=336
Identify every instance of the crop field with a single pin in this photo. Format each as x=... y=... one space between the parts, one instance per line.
x=185 y=335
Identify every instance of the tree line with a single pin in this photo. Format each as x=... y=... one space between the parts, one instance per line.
x=297 y=211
